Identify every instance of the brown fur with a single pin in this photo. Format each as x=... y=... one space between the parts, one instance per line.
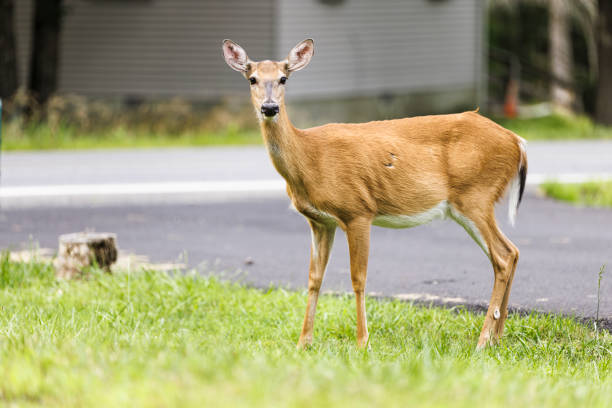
x=347 y=174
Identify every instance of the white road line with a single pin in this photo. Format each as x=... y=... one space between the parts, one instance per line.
x=242 y=186
x=200 y=187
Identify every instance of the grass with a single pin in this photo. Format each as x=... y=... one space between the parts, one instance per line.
x=557 y=127
x=592 y=194
x=149 y=339
x=40 y=137
x=44 y=137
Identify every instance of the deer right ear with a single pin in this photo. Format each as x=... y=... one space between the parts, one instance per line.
x=235 y=56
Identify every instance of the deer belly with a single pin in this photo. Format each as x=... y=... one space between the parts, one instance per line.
x=439 y=212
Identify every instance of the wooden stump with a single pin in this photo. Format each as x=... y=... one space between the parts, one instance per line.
x=82 y=249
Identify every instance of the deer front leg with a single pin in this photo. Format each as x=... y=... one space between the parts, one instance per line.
x=358 y=235
x=322 y=241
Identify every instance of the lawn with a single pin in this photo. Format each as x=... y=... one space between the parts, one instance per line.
x=557 y=127
x=592 y=194
x=149 y=339
x=43 y=136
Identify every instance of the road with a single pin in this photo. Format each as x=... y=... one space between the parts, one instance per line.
x=224 y=210
x=247 y=163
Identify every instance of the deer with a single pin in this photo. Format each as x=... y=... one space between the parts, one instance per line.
x=397 y=173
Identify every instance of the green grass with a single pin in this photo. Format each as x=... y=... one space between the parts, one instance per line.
x=148 y=339
x=557 y=127
x=592 y=194
x=43 y=136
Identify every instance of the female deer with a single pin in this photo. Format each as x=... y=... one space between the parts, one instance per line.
x=394 y=173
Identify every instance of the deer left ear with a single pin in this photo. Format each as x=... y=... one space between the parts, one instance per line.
x=300 y=55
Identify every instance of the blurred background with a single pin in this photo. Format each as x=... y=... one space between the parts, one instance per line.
x=82 y=72
x=78 y=75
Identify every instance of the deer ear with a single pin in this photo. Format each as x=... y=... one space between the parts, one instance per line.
x=235 y=56
x=300 y=55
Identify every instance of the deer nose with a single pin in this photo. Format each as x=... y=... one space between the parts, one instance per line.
x=269 y=109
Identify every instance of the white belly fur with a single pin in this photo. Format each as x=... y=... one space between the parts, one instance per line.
x=441 y=211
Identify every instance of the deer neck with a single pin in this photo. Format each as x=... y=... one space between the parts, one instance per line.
x=282 y=142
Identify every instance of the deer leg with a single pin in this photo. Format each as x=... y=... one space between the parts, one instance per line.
x=504 y=307
x=503 y=255
x=358 y=235
x=322 y=241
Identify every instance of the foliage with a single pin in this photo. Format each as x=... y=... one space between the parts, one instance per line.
x=17 y=136
x=557 y=127
x=594 y=194
x=42 y=136
x=149 y=339
x=71 y=122
x=520 y=30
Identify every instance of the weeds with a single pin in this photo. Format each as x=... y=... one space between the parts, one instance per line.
x=74 y=122
x=600 y=277
x=592 y=194
x=70 y=121
x=557 y=127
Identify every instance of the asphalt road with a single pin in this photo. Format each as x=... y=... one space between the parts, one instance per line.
x=252 y=235
x=242 y=163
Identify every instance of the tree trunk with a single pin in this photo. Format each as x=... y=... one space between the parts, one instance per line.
x=603 y=108
x=45 y=49
x=8 y=58
x=560 y=45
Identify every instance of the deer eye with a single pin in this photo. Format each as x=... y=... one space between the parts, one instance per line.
x=253 y=80
x=283 y=80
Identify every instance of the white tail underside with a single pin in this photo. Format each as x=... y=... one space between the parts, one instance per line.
x=515 y=188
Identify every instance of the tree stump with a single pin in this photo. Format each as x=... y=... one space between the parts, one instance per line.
x=82 y=249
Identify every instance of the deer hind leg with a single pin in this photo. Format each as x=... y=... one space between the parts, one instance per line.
x=322 y=242
x=504 y=306
x=503 y=256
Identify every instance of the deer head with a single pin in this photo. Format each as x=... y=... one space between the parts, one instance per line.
x=268 y=78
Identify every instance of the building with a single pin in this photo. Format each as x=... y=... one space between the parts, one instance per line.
x=383 y=58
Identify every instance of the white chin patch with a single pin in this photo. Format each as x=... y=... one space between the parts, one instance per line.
x=264 y=118
x=270 y=119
